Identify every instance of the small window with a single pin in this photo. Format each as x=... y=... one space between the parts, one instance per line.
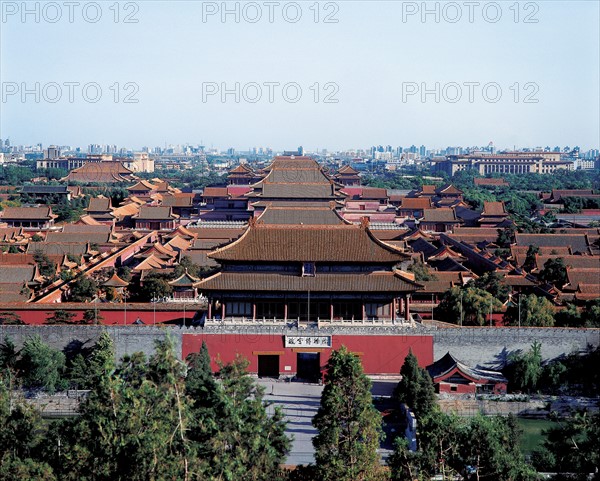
x=454 y=388
x=308 y=269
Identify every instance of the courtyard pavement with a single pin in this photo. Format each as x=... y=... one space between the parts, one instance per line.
x=299 y=403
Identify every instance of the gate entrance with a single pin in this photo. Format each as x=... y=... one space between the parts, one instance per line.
x=309 y=366
x=268 y=366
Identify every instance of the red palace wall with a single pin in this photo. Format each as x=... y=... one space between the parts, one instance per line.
x=109 y=317
x=444 y=387
x=379 y=354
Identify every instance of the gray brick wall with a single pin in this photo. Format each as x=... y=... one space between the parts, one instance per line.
x=484 y=347
x=490 y=347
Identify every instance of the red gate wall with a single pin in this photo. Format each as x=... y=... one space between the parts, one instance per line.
x=379 y=354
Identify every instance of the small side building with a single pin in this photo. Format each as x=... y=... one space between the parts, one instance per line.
x=452 y=376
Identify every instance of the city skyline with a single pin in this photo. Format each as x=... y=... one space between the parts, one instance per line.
x=111 y=148
x=371 y=73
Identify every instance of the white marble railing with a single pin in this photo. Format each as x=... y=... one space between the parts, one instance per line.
x=233 y=321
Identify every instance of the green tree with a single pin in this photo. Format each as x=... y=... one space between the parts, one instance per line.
x=46 y=267
x=41 y=366
x=9 y=355
x=570 y=316
x=471 y=304
x=535 y=312
x=472 y=449
x=415 y=389
x=124 y=273
x=525 y=369
x=489 y=445
x=530 y=263
x=155 y=285
x=247 y=444
x=200 y=383
x=493 y=282
x=12 y=468
x=83 y=289
x=186 y=263
x=421 y=272
x=21 y=431
x=506 y=237
x=127 y=432
x=554 y=272
x=349 y=425
x=572 y=447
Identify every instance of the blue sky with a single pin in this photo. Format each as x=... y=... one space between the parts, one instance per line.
x=370 y=57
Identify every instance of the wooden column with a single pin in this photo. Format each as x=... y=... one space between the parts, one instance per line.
x=254 y=311
x=394 y=309
x=209 y=315
x=331 y=310
x=407 y=310
x=223 y=311
x=285 y=310
x=364 y=312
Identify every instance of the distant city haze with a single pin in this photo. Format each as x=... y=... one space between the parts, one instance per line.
x=335 y=75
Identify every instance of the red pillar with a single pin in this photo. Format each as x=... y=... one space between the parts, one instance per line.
x=223 y=311
x=407 y=316
x=364 y=312
x=285 y=311
x=254 y=311
x=331 y=310
x=209 y=309
x=394 y=309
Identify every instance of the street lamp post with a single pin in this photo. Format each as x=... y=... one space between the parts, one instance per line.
x=125 y=316
x=432 y=303
x=519 y=310
x=461 y=309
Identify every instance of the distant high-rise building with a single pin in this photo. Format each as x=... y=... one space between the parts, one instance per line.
x=52 y=152
x=422 y=151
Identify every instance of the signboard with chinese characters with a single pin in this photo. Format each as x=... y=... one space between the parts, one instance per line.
x=308 y=341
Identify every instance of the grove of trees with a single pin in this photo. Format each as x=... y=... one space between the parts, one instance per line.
x=146 y=419
x=159 y=418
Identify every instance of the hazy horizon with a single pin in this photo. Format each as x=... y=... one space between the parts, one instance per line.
x=370 y=61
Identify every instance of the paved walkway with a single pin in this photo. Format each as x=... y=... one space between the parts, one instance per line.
x=299 y=403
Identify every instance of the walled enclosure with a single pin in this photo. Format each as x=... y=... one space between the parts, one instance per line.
x=484 y=347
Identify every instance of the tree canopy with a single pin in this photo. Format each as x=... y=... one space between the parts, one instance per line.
x=349 y=427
